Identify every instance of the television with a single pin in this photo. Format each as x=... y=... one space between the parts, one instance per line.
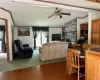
x=56 y=37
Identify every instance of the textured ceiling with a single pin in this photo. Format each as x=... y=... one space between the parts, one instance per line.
x=82 y=3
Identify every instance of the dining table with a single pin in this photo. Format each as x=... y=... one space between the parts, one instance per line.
x=82 y=50
x=85 y=47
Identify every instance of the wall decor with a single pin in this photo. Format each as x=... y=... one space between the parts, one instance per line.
x=23 y=31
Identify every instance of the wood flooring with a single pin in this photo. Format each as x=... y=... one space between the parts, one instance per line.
x=51 y=71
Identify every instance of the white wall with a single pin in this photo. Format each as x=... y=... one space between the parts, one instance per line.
x=6 y=15
x=54 y=31
x=24 y=39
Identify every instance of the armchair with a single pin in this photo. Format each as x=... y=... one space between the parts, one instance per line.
x=22 y=51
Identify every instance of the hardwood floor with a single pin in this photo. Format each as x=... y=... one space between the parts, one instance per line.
x=51 y=71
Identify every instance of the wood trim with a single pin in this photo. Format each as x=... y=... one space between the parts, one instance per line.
x=68 y=5
x=12 y=29
x=98 y=1
x=82 y=17
x=10 y=14
x=7 y=37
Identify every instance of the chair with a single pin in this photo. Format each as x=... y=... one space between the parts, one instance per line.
x=76 y=46
x=81 y=41
x=21 y=51
x=73 y=61
x=21 y=46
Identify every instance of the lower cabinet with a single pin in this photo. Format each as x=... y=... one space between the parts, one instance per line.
x=92 y=65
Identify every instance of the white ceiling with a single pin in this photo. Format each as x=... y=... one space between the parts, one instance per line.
x=30 y=15
x=82 y=3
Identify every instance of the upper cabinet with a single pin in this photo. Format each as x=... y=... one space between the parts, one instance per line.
x=96 y=25
x=95 y=37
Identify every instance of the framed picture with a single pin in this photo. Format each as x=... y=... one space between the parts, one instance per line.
x=23 y=31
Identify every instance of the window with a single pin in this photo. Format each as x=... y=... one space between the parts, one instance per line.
x=41 y=38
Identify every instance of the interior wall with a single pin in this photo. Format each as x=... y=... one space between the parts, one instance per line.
x=24 y=39
x=6 y=15
x=54 y=31
x=95 y=15
x=29 y=39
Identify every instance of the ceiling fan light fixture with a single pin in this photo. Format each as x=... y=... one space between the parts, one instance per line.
x=59 y=13
x=60 y=16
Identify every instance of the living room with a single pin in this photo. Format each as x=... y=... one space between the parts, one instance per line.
x=52 y=29
x=27 y=17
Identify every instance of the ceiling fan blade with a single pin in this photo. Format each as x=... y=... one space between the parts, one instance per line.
x=51 y=15
x=65 y=13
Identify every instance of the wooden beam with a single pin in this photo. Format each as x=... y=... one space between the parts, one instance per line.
x=68 y=5
x=10 y=14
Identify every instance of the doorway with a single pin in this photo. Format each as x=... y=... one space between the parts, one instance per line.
x=4 y=47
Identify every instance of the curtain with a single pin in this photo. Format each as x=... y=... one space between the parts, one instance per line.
x=37 y=40
x=35 y=36
x=46 y=34
x=46 y=30
x=2 y=38
x=35 y=31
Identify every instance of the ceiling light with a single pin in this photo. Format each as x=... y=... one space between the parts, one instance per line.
x=60 y=16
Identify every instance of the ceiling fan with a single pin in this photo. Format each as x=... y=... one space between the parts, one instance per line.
x=58 y=12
